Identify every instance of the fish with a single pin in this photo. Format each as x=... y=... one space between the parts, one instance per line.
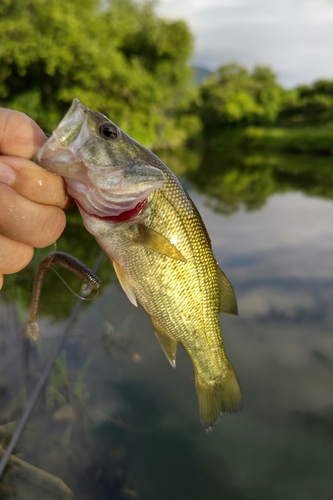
x=146 y=223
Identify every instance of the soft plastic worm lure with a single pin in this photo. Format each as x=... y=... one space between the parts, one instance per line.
x=74 y=265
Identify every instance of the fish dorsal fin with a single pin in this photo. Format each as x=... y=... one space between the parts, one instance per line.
x=157 y=242
x=128 y=289
x=228 y=302
x=168 y=344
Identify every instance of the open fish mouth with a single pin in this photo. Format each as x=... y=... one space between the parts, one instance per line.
x=117 y=203
x=101 y=166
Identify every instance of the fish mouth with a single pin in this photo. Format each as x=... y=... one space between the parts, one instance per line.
x=122 y=217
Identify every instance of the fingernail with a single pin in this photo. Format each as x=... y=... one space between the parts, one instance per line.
x=7 y=174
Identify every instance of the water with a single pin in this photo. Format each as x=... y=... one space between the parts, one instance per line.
x=116 y=421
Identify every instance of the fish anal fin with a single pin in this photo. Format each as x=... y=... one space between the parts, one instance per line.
x=156 y=241
x=215 y=397
x=228 y=302
x=126 y=286
x=168 y=344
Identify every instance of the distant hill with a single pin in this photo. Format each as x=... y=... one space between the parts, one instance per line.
x=200 y=74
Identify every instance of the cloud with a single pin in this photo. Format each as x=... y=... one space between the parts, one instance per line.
x=295 y=37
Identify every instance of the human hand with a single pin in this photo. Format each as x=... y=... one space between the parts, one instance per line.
x=31 y=198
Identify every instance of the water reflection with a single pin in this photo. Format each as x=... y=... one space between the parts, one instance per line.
x=233 y=179
x=134 y=430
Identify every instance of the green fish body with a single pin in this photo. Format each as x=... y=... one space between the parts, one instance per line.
x=146 y=223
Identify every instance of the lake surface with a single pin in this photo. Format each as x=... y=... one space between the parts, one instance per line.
x=115 y=421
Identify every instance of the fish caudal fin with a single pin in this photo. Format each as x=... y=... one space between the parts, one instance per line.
x=218 y=396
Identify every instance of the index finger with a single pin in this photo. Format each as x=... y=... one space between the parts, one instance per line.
x=37 y=184
x=19 y=134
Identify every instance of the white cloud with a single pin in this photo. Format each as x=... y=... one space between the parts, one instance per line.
x=295 y=37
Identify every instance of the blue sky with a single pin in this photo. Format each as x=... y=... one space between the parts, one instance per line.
x=294 y=37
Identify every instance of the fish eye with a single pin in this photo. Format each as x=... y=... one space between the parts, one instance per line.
x=108 y=131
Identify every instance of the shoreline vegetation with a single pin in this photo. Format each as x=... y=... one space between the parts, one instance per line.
x=125 y=61
x=298 y=140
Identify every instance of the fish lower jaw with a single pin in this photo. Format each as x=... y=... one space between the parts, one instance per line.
x=122 y=217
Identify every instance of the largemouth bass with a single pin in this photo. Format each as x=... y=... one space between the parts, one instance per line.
x=145 y=221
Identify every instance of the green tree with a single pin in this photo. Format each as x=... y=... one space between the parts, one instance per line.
x=117 y=56
x=234 y=96
x=308 y=105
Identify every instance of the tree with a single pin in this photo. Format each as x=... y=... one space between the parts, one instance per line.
x=308 y=105
x=116 y=56
x=233 y=96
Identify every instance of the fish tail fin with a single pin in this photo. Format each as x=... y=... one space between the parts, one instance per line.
x=218 y=396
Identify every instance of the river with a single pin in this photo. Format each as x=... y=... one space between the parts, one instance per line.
x=116 y=421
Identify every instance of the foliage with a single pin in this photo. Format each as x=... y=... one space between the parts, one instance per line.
x=232 y=95
x=310 y=140
x=308 y=105
x=116 y=56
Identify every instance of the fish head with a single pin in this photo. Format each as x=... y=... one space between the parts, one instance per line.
x=106 y=171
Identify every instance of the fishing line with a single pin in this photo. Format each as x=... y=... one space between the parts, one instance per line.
x=71 y=289
x=44 y=376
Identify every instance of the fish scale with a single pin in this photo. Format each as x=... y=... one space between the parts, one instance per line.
x=162 y=254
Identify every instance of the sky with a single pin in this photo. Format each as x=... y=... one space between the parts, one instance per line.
x=293 y=37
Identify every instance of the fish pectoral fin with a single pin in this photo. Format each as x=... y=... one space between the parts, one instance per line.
x=156 y=241
x=222 y=395
x=168 y=344
x=228 y=302
x=126 y=286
